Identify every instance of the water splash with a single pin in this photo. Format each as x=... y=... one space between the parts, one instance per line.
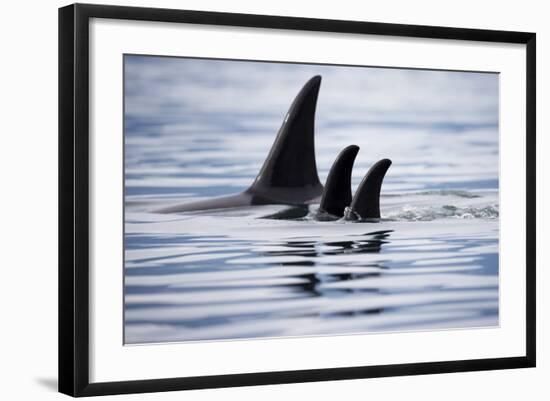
x=413 y=213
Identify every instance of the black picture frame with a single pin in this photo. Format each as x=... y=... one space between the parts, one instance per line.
x=74 y=198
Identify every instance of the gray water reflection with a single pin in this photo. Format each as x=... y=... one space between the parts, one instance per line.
x=202 y=287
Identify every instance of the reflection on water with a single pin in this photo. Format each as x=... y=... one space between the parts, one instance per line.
x=274 y=270
x=298 y=277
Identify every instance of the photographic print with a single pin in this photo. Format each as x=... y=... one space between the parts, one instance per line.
x=270 y=199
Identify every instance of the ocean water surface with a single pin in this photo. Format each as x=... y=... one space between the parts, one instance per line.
x=200 y=128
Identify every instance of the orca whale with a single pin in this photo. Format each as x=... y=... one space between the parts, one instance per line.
x=337 y=192
x=366 y=200
x=337 y=201
x=289 y=173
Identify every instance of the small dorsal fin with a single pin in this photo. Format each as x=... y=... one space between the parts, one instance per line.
x=366 y=200
x=289 y=173
x=337 y=193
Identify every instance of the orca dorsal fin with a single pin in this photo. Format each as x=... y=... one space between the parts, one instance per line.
x=289 y=173
x=337 y=193
x=366 y=200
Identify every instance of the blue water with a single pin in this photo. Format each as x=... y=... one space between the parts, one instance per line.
x=201 y=128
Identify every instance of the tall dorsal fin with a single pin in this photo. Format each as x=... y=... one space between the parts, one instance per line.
x=337 y=193
x=289 y=173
